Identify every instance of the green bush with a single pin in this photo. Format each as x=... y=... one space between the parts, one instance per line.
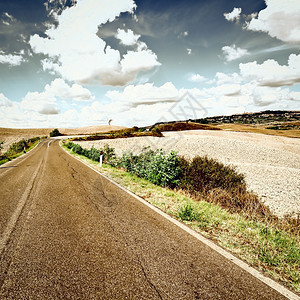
x=70 y=145
x=55 y=132
x=77 y=149
x=201 y=174
x=155 y=166
x=108 y=153
x=18 y=147
x=94 y=154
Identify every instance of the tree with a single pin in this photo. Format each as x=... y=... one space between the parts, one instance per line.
x=55 y=132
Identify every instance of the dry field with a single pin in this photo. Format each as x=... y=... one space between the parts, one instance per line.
x=10 y=136
x=271 y=164
x=261 y=128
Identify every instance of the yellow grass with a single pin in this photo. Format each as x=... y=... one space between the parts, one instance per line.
x=294 y=133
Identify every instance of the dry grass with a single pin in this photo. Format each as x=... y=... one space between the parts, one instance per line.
x=294 y=133
x=180 y=126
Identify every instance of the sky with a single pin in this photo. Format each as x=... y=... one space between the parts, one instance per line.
x=68 y=63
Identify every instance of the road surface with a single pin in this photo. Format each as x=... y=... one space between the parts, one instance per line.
x=68 y=233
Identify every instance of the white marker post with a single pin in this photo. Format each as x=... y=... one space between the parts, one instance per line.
x=101 y=159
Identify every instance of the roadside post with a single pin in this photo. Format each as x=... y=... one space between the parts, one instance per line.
x=101 y=159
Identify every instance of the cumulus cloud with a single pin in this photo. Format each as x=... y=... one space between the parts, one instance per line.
x=59 y=88
x=234 y=15
x=11 y=59
x=189 y=51
x=280 y=19
x=145 y=94
x=146 y=104
x=127 y=38
x=197 y=78
x=76 y=52
x=222 y=78
x=233 y=52
x=40 y=102
x=271 y=74
x=46 y=102
x=4 y=102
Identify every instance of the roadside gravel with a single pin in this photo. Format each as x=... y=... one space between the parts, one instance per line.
x=271 y=164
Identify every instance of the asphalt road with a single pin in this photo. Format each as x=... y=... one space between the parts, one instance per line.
x=68 y=233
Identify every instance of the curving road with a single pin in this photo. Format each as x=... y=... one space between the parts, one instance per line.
x=68 y=233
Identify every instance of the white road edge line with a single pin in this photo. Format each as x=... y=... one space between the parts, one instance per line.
x=268 y=281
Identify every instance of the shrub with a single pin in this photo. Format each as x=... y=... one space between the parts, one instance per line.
x=155 y=166
x=203 y=174
x=94 y=154
x=70 y=145
x=55 y=132
x=77 y=149
x=18 y=147
x=156 y=132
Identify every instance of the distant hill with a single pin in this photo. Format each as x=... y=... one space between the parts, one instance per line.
x=264 y=117
x=279 y=122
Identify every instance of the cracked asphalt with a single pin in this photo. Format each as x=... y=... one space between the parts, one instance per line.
x=68 y=233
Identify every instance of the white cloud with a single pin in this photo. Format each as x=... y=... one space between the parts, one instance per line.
x=222 y=78
x=127 y=38
x=145 y=104
x=270 y=73
x=265 y=96
x=78 y=54
x=40 y=102
x=197 y=78
x=145 y=94
x=280 y=19
x=234 y=15
x=7 y=19
x=46 y=102
x=10 y=59
x=233 y=52
x=295 y=96
x=135 y=18
x=189 y=51
x=59 y=88
x=4 y=102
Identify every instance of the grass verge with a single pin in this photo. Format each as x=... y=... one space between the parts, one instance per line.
x=15 y=155
x=261 y=244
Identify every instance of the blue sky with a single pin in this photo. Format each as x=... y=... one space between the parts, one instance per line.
x=77 y=63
